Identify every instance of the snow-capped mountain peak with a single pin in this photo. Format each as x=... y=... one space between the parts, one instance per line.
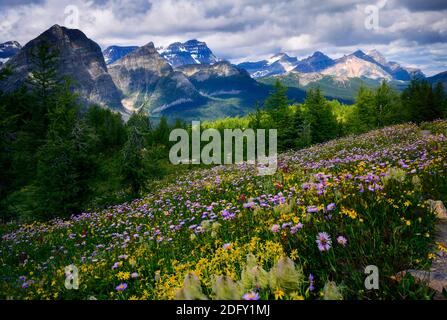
x=8 y=50
x=189 y=52
x=113 y=53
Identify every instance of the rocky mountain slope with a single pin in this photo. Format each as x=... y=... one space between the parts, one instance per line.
x=79 y=58
x=147 y=81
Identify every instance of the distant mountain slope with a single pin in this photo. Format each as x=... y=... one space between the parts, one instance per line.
x=189 y=52
x=230 y=90
x=353 y=67
x=440 y=77
x=8 y=50
x=113 y=53
x=315 y=63
x=371 y=65
x=79 y=57
x=147 y=81
x=344 y=90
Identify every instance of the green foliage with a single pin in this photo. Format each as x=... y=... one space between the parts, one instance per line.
x=319 y=116
x=424 y=102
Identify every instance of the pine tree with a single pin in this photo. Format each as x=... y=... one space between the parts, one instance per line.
x=135 y=155
x=322 y=122
x=424 y=102
x=64 y=163
x=302 y=128
x=364 y=111
x=276 y=104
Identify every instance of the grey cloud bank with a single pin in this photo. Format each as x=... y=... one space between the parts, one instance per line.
x=411 y=32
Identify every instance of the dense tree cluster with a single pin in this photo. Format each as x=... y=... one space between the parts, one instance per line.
x=318 y=120
x=57 y=158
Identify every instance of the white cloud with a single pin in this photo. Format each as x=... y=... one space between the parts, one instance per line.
x=247 y=29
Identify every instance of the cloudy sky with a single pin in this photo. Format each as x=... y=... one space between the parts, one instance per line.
x=412 y=32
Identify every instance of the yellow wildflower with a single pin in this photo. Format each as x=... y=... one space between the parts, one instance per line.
x=279 y=294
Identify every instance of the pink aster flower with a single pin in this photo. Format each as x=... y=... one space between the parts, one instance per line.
x=251 y=296
x=342 y=241
x=324 y=241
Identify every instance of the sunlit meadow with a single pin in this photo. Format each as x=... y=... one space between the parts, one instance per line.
x=307 y=232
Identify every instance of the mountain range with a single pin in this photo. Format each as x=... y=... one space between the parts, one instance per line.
x=371 y=65
x=158 y=81
x=186 y=80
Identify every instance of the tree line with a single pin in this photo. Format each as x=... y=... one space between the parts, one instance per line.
x=317 y=119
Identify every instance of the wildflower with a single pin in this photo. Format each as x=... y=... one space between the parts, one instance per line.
x=331 y=291
x=275 y=228
x=116 y=265
x=121 y=287
x=311 y=282
x=361 y=188
x=191 y=290
x=249 y=205
x=295 y=228
x=296 y=296
x=324 y=241
x=278 y=294
x=312 y=209
x=227 y=215
x=285 y=275
x=251 y=296
x=330 y=207
x=224 y=288
x=349 y=212
x=342 y=241
x=134 y=275
x=227 y=246
x=252 y=275
x=123 y=275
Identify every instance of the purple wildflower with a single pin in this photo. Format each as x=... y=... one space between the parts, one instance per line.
x=311 y=282
x=342 y=241
x=275 y=228
x=121 y=287
x=312 y=209
x=324 y=241
x=251 y=296
x=134 y=275
x=227 y=215
x=295 y=228
x=330 y=207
